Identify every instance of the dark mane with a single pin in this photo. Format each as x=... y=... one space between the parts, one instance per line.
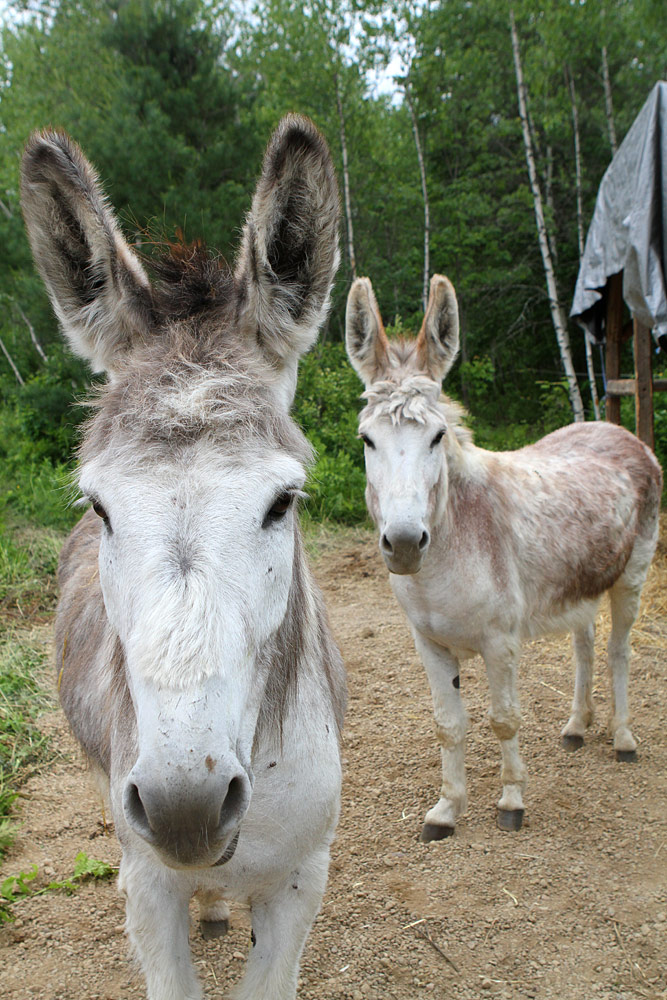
x=189 y=279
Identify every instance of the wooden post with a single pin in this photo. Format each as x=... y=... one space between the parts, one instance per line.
x=614 y=330
x=643 y=343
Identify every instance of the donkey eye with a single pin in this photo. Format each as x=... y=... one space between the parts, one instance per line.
x=99 y=510
x=438 y=438
x=367 y=441
x=279 y=508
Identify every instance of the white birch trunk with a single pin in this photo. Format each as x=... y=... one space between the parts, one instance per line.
x=11 y=362
x=560 y=326
x=346 y=182
x=33 y=335
x=608 y=105
x=590 y=367
x=427 y=212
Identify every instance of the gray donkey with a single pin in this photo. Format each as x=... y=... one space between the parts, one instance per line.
x=195 y=662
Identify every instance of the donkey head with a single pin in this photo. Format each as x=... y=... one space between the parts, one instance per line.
x=192 y=464
x=402 y=425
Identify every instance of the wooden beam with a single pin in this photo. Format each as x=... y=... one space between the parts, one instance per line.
x=626 y=386
x=643 y=346
x=614 y=332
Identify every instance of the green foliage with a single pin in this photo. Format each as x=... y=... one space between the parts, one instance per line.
x=326 y=407
x=173 y=101
x=18 y=887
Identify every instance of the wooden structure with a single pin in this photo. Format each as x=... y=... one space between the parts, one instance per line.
x=643 y=385
x=624 y=263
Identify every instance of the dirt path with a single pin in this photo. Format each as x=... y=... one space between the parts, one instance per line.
x=574 y=907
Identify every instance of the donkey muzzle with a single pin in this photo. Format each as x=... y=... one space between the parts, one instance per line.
x=190 y=819
x=403 y=547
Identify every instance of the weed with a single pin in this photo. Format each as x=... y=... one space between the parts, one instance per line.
x=19 y=887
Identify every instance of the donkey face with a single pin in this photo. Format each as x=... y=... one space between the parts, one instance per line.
x=403 y=427
x=193 y=466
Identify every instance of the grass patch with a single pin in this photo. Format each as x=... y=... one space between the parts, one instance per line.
x=28 y=560
x=24 y=655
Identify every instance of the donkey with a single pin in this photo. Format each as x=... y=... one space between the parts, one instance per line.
x=488 y=549
x=195 y=662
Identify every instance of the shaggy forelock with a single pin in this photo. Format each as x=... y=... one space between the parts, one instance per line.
x=168 y=397
x=406 y=392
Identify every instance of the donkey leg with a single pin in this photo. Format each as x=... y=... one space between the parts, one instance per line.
x=451 y=725
x=624 y=599
x=505 y=719
x=213 y=913
x=281 y=922
x=157 y=924
x=572 y=735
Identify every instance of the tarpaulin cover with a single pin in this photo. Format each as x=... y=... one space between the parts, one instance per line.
x=628 y=231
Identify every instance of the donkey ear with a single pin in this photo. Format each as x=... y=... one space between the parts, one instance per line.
x=97 y=286
x=365 y=339
x=289 y=252
x=438 y=340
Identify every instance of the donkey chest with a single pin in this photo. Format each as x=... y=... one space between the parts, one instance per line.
x=449 y=610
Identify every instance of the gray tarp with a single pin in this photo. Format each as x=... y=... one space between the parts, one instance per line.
x=629 y=228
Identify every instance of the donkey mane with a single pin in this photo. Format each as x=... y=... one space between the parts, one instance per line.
x=190 y=280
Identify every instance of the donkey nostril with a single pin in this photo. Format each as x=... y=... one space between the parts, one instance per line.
x=135 y=811
x=386 y=544
x=424 y=540
x=233 y=802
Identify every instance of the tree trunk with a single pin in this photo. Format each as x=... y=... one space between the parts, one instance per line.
x=608 y=106
x=346 y=182
x=590 y=367
x=33 y=335
x=557 y=317
x=11 y=362
x=427 y=212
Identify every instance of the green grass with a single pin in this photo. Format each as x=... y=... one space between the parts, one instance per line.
x=28 y=559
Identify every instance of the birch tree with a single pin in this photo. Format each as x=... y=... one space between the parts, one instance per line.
x=590 y=367
x=558 y=319
x=427 y=212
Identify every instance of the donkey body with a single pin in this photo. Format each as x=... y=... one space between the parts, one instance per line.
x=195 y=662
x=488 y=549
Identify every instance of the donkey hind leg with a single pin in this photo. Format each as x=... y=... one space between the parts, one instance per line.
x=624 y=599
x=157 y=924
x=505 y=719
x=281 y=922
x=213 y=913
x=451 y=725
x=583 y=641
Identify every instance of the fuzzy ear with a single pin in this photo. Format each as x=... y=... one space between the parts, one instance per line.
x=365 y=339
x=438 y=340
x=97 y=286
x=289 y=252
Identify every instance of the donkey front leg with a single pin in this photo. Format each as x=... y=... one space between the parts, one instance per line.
x=281 y=922
x=583 y=641
x=157 y=924
x=451 y=725
x=505 y=718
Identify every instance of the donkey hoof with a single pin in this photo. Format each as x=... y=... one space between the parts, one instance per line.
x=572 y=741
x=435 y=831
x=509 y=819
x=213 y=928
x=626 y=756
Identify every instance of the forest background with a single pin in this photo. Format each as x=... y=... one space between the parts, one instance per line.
x=174 y=101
